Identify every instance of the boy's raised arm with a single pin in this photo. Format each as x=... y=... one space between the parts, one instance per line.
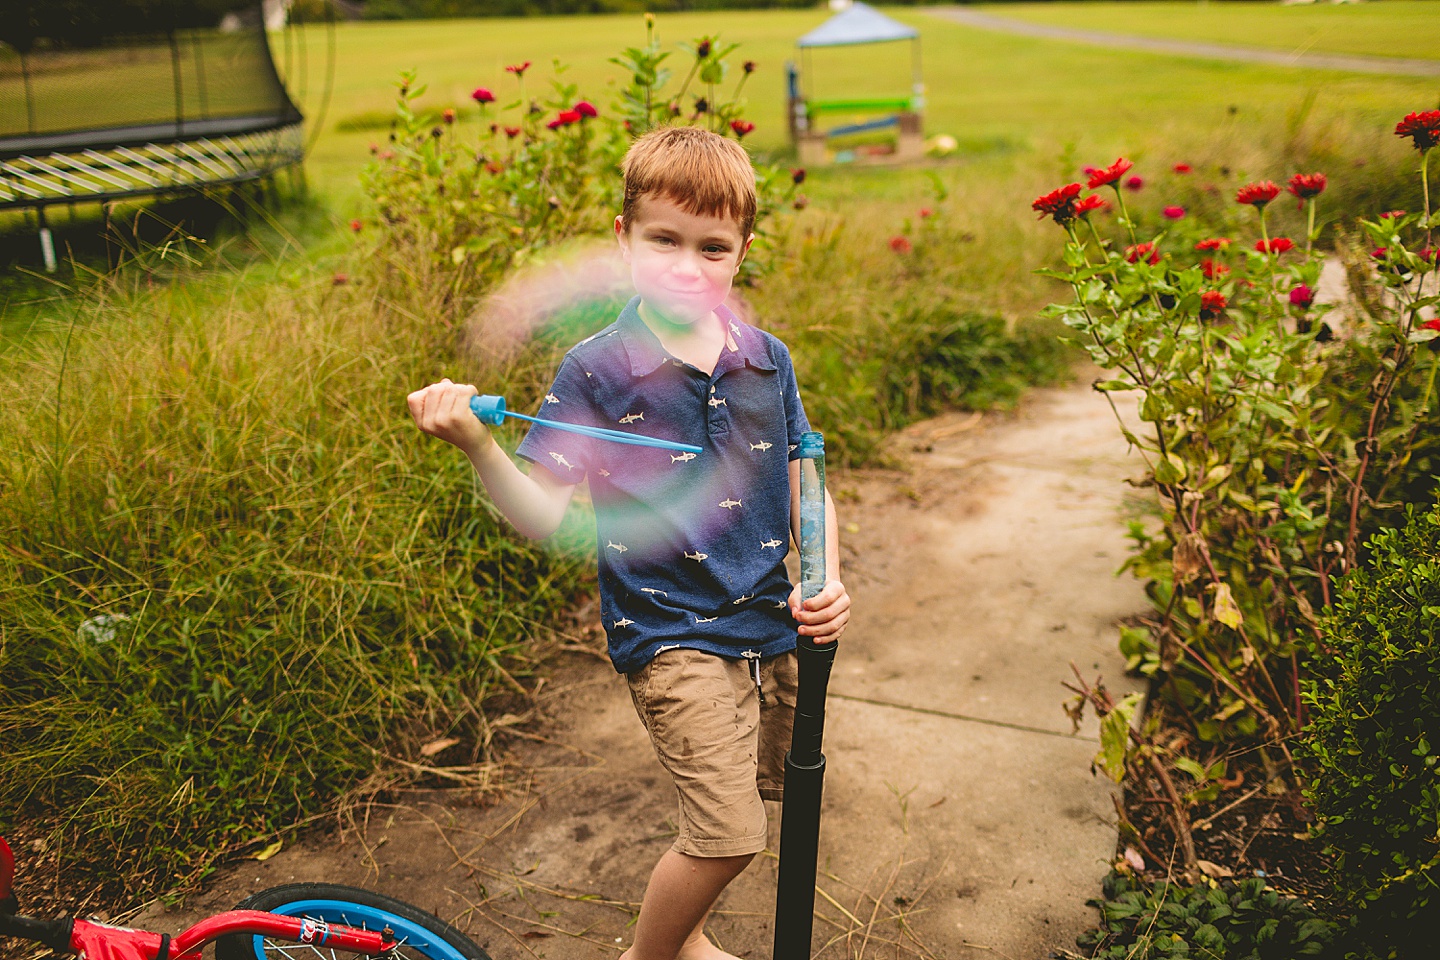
x=533 y=503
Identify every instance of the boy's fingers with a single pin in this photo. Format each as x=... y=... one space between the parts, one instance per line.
x=829 y=630
x=833 y=591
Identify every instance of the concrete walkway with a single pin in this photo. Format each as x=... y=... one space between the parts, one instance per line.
x=1351 y=63
x=961 y=817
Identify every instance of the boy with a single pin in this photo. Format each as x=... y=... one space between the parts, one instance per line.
x=698 y=610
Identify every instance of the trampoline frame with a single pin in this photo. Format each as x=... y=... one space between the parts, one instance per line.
x=108 y=164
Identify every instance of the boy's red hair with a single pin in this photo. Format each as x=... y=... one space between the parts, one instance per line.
x=703 y=172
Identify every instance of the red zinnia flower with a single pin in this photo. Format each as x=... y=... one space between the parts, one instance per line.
x=1134 y=183
x=1214 y=243
x=1422 y=128
x=585 y=108
x=1182 y=168
x=1211 y=303
x=564 y=118
x=1174 y=213
x=518 y=68
x=1301 y=296
x=1379 y=253
x=1142 y=251
x=1110 y=175
x=1278 y=245
x=1257 y=194
x=925 y=212
x=1429 y=254
x=1091 y=203
x=512 y=132
x=482 y=95
x=340 y=279
x=1307 y=185
x=797 y=176
x=355 y=225
x=741 y=127
x=900 y=244
x=1059 y=203
x=1211 y=269
x=1392 y=214
x=1431 y=325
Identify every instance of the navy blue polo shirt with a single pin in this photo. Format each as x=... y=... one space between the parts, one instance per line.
x=691 y=546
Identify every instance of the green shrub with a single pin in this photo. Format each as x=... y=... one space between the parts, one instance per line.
x=1373 y=742
x=1243 y=920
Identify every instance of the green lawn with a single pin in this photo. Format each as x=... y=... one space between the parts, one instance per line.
x=998 y=94
x=1387 y=28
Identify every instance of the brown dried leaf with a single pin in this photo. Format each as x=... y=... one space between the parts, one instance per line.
x=436 y=746
x=1214 y=870
x=1188 y=558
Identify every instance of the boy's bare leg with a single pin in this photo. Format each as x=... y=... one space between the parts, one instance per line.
x=672 y=917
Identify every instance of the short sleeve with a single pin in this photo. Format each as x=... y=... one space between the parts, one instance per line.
x=796 y=423
x=570 y=400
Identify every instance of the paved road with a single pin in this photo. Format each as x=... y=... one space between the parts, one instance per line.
x=1352 y=63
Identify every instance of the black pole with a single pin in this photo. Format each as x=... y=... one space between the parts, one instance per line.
x=178 y=83
x=805 y=763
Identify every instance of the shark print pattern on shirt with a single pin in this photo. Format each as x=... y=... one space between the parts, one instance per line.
x=681 y=536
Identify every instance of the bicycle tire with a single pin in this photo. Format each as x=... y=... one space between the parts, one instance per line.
x=419 y=934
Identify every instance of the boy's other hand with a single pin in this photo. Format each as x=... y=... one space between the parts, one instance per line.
x=824 y=615
x=443 y=410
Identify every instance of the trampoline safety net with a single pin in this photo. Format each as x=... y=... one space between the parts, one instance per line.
x=102 y=99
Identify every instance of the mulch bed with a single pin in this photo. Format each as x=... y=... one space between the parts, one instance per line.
x=1257 y=826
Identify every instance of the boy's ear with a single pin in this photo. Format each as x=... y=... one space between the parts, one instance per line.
x=743 y=251
x=623 y=238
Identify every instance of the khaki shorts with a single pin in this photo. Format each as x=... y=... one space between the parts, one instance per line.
x=725 y=752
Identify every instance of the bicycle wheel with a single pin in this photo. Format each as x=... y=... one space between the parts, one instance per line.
x=418 y=935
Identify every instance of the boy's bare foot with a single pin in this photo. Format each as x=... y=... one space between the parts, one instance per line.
x=700 y=948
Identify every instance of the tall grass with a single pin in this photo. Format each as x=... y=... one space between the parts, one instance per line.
x=235 y=580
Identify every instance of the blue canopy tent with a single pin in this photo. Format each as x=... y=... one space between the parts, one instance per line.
x=855 y=25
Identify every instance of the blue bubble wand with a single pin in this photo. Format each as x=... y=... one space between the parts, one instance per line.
x=491 y=410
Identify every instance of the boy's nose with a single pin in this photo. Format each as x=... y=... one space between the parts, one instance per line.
x=687 y=265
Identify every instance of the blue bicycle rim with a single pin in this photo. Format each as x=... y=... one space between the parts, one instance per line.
x=407 y=933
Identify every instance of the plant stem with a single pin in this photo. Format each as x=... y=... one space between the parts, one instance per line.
x=1425 y=189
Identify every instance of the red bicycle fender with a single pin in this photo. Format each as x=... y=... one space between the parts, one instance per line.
x=7 y=869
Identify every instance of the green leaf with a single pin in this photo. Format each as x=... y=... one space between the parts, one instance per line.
x=1226 y=610
x=1115 y=737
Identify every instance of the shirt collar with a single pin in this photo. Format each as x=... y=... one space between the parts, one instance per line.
x=743 y=343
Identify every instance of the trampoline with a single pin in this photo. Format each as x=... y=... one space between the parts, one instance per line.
x=102 y=100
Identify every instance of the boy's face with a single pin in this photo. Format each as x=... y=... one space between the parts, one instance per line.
x=682 y=264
